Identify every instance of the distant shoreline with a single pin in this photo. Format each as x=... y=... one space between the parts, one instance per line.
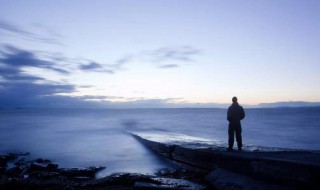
x=246 y=107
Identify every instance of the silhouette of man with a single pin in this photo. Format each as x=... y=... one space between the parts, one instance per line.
x=234 y=116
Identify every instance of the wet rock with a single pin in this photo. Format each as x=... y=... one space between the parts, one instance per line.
x=179 y=173
x=68 y=188
x=37 y=167
x=144 y=185
x=52 y=166
x=179 y=183
x=45 y=175
x=80 y=179
x=15 y=171
x=79 y=172
x=42 y=161
x=13 y=156
x=2 y=170
x=167 y=172
x=123 y=179
x=282 y=171
x=21 y=162
x=3 y=161
x=222 y=179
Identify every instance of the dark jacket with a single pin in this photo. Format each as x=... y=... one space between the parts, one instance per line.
x=235 y=113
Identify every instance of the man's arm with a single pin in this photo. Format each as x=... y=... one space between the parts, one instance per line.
x=243 y=115
x=228 y=115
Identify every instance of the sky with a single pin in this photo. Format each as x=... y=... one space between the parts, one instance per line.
x=159 y=53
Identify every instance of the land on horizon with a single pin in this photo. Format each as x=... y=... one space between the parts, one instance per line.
x=288 y=104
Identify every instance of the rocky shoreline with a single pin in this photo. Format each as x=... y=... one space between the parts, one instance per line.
x=17 y=171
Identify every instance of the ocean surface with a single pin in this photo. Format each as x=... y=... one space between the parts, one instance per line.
x=100 y=137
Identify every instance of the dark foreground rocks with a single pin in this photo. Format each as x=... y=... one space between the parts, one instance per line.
x=17 y=172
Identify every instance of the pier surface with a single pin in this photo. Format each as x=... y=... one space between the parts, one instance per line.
x=264 y=167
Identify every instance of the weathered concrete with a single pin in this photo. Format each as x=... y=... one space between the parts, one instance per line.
x=290 y=168
x=223 y=179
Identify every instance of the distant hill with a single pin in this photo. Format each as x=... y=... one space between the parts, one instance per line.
x=289 y=104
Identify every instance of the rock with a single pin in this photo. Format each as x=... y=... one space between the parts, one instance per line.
x=40 y=161
x=80 y=179
x=68 y=188
x=78 y=172
x=37 y=167
x=3 y=161
x=13 y=156
x=222 y=179
x=282 y=171
x=167 y=172
x=46 y=175
x=123 y=179
x=2 y=170
x=145 y=185
x=15 y=171
x=97 y=169
x=175 y=183
x=52 y=166
x=21 y=162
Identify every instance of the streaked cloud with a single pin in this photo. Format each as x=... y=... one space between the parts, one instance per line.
x=91 y=66
x=168 y=66
x=20 y=89
x=179 y=53
x=164 y=58
x=12 y=61
x=6 y=27
x=95 y=67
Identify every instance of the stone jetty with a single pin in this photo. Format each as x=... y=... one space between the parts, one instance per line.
x=253 y=168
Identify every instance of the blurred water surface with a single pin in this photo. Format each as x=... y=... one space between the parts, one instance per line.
x=99 y=137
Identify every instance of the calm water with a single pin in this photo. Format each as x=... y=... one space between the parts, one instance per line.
x=99 y=137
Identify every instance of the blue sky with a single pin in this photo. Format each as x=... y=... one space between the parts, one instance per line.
x=165 y=53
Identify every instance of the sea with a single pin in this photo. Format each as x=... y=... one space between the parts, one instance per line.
x=101 y=137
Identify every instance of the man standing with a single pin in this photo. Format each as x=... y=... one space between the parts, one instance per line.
x=235 y=114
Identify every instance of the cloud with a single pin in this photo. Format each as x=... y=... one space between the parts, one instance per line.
x=168 y=66
x=19 y=88
x=14 y=59
x=31 y=94
x=91 y=66
x=164 y=58
x=180 y=54
x=118 y=65
x=289 y=104
x=91 y=97
x=123 y=61
x=95 y=67
x=18 y=31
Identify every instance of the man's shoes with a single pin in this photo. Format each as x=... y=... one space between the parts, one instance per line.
x=229 y=149
x=239 y=149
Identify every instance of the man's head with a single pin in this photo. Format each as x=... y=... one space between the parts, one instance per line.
x=234 y=99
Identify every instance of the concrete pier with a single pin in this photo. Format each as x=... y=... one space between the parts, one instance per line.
x=259 y=166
